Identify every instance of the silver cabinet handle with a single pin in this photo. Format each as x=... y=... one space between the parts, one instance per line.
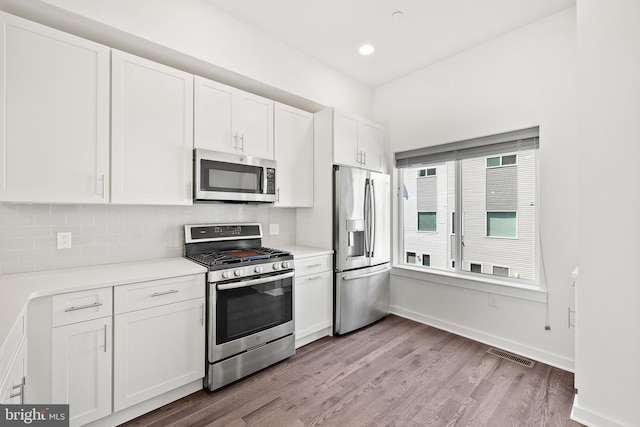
x=21 y=392
x=364 y=157
x=314 y=278
x=314 y=265
x=105 y=337
x=157 y=294
x=235 y=139
x=242 y=141
x=103 y=187
x=201 y=314
x=82 y=307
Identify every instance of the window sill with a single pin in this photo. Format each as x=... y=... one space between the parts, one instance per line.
x=480 y=284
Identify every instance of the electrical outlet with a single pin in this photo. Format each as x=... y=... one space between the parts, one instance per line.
x=64 y=240
x=274 y=229
x=493 y=301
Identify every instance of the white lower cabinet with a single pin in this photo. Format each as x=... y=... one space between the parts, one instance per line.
x=116 y=347
x=81 y=369
x=313 y=299
x=12 y=388
x=156 y=350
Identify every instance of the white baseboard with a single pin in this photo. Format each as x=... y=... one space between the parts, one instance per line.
x=313 y=336
x=588 y=418
x=142 y=408
x=514 y=347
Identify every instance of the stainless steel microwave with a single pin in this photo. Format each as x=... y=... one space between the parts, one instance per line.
x=225 y=177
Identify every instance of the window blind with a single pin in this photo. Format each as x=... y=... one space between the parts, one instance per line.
x=485 y=146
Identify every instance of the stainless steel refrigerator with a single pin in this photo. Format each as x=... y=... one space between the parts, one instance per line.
x=361 y=243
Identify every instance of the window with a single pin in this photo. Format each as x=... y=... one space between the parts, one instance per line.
x=427 y=221
x=493 y=162
x=483 y=192
x=411 y=257
x=502 y=224
x=500 y=271
x=453 y=223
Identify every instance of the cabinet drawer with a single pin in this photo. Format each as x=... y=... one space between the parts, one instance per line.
x=141 y=295
x=82 y=305
x=313 y=265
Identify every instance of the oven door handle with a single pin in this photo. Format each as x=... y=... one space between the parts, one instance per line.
x=253 y=282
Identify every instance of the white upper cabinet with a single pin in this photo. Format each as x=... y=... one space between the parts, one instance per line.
x=152 y=132
x=54 y=115
x=232 y=121
x=294 y=156
x=357 y=142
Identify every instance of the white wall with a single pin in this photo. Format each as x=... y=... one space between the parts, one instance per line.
x=196 y=29
x=521 y=79
x=608 y=292
x=104 y=234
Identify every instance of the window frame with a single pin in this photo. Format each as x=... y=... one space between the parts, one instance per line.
x=530 y=289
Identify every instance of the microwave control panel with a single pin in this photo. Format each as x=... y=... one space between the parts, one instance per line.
x=271 y=181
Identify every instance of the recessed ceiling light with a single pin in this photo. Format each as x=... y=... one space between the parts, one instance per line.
x=397 y=16
x=366 y=49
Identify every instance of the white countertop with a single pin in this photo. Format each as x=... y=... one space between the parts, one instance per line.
x=16 y=290
x=305 y=251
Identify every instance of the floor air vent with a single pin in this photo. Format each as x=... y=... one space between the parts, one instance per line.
x=512 y=357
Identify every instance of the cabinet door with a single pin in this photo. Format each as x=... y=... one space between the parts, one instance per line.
x=12 y=389
x=54 y=115
x=156 y=350
x=371 y=145
x=214 y=125
x=81 y=369
x=255 y=125
x=152 y=132
x=345 y=139
x=294 y=156
x=313 y=304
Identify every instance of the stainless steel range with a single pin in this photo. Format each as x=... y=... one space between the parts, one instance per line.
x=249 y=299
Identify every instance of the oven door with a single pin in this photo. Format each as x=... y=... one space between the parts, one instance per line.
x=231 y=177
x=247 y=314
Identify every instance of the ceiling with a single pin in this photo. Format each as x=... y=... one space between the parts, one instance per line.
x=332 y=31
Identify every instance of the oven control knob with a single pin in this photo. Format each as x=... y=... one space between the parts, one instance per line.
x=276 y=266
x=226 y=274
x=258 y=269
x=285 y=264
x=237 y=272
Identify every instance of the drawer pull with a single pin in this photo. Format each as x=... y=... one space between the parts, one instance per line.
x=82 y=307
x=314 y=278
x=157 y=294
x=314 y=265
x=21 y=392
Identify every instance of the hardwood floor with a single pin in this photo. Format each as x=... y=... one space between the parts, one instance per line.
x=396 y=372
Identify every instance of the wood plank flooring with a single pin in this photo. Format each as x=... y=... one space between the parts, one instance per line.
x=396 y=372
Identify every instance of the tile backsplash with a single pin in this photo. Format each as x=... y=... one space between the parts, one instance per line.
x=105 y=234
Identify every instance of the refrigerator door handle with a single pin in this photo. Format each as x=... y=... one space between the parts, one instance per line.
x=363 y=276
x=367 y=219
x=372 y=224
